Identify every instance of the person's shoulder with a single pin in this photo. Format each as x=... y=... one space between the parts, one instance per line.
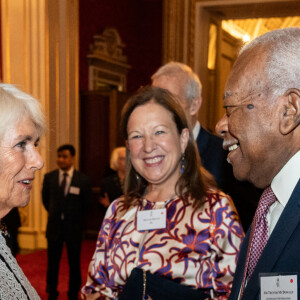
x=216 y=197
x=118 y=202
x=51 y=173
x=212 y=137
x=209 y=145
x=222 y=206
x=81 y=175
x=119 y=207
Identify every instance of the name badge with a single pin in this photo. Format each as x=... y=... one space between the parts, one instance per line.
x=278 y=286
x=74 y=190
x=151 y=219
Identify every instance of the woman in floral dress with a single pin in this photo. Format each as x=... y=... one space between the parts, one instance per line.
x=172 y=222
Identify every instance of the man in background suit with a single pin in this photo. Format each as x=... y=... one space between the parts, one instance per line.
x=67 y=197
x=181 y=81
x=261 y=131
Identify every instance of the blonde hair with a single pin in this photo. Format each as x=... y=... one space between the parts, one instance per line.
x=114 y=157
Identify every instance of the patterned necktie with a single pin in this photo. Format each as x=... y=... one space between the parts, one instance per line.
x=63 y=183
x=259 y=232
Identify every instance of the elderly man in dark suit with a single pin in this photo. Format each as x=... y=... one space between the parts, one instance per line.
x=181 y=81
x=261 y=131
x=67 y=198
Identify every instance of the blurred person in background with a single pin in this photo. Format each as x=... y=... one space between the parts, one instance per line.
x=67 y=198
x=112 y=185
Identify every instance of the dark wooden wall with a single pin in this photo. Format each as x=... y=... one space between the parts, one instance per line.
x=139 y=23
x=95 y=138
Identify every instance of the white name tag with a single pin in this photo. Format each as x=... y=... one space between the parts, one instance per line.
x=276 y=287
x=151 y=219
x=74 y=190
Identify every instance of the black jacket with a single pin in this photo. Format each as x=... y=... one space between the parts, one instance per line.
x=73 y=206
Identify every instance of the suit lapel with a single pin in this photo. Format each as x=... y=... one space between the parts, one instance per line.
x=285 y=226
x=74 y=181
x=56 y=179
x=238 y=276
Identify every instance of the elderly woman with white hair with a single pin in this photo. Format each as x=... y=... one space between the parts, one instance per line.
x=22 y=123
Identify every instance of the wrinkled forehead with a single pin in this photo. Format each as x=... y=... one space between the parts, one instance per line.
x=239 y=93
x=247 y=77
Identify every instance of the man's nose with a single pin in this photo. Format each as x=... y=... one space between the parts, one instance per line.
x=222 y=126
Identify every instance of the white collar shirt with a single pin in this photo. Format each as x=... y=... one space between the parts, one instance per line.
x=196 y=130
x=283 y=185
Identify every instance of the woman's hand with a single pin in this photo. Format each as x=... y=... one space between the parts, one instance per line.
x=104 y=200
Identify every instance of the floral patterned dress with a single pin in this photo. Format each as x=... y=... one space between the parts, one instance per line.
x=198 y=247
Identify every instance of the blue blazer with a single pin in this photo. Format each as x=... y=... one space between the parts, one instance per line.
x=281 y=254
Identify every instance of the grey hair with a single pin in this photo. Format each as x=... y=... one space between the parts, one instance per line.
x=114 y=157
x=15 y=105
x=282 y=60
x=193 y=86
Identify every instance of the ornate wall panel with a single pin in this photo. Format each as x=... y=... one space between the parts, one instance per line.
x=107 y=64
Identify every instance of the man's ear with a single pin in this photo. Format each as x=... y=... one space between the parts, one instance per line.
x=194 y=108
x=290 y=115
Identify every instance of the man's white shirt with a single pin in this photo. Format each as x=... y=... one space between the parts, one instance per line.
x=283 y=185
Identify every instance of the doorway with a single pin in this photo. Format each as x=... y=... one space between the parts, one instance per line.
x=249 y=16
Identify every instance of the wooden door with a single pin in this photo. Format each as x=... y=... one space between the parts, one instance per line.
x=227 y=48
x=99 y=133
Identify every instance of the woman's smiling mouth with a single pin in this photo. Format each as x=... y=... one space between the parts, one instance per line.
x=153 y=160
x=26 y=182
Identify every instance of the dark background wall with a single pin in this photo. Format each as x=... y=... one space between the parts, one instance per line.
x=139 y=23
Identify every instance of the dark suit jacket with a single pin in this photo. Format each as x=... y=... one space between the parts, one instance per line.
x=214 y=159
x=111 y=185
x=73 y=206
x=212 y=154
x=281 y=254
